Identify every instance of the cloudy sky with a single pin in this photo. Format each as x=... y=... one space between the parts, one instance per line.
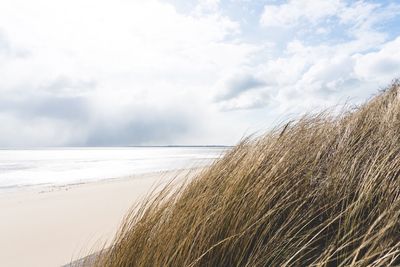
x=156 y=72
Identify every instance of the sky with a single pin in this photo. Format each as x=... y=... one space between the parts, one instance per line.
x=181 y=72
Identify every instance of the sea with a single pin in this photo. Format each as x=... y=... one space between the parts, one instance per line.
x=21 y=168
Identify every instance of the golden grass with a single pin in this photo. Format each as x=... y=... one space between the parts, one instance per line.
x=322 y=191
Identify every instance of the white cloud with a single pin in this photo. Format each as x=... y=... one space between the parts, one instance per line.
x=308 y=78
x=205 y=6
x=236 y=84
x=292 y=12
x=360 y=17
x=120 y=57
x=381 y=66
x=321 y=72
x=357 y=13
x=258 y=98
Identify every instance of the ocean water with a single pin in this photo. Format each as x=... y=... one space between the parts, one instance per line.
x=63 y=166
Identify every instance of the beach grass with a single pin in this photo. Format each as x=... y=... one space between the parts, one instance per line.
x=323 y=190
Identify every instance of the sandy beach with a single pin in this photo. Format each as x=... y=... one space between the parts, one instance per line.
x=55 y=225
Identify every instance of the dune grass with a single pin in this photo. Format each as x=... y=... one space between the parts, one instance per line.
x=321 y=191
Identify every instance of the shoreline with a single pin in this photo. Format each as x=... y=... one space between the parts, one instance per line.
x=42 y=188
x=55 y=225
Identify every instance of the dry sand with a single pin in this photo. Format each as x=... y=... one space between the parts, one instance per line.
x=53 y=226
